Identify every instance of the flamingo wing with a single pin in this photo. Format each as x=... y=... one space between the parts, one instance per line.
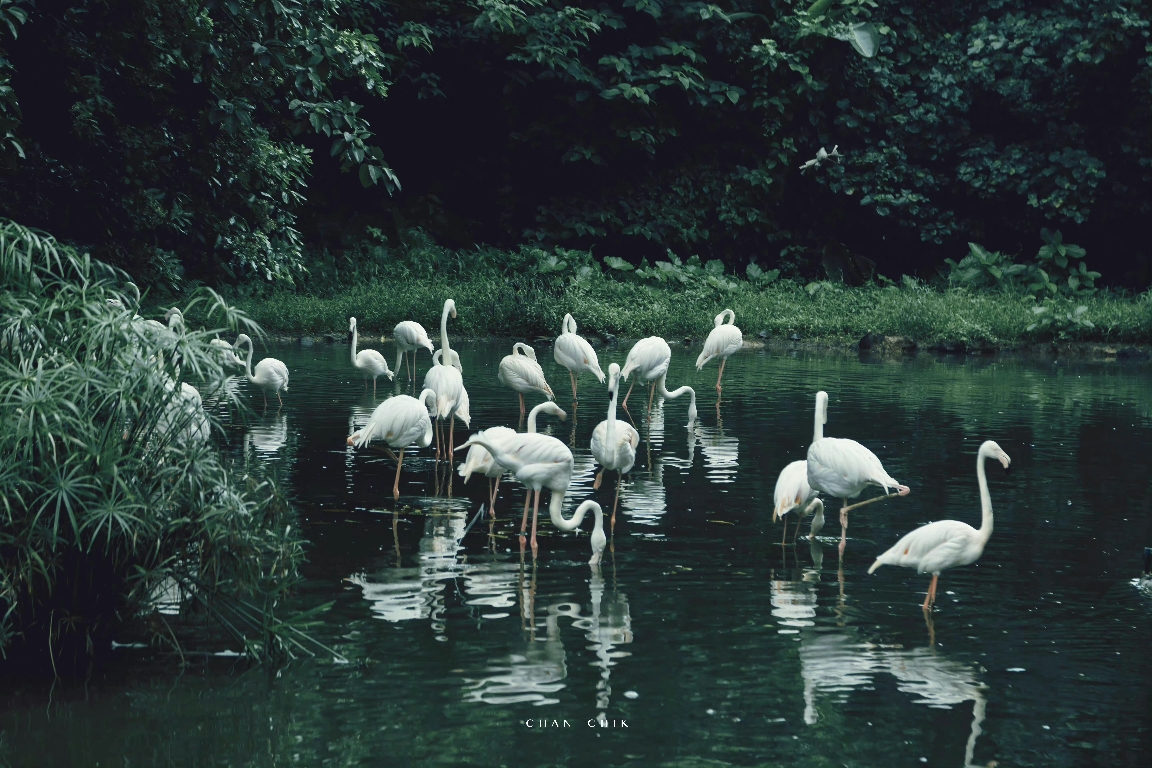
x=934 y=547
x=524 y=374
x=577 y=355
x=792 y=489
x=844 y=468
x=372 y=363
x=723 y=340
x=649 y=357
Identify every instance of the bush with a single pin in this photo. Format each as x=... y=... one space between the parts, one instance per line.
x=114 y=500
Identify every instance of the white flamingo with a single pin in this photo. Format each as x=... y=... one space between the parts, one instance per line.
x=575 y=354
x=184 y=419
x=479 y=460
x=538 y=461
x=398 y=421
x=650 y=359
x=271 y=374
x=614 y=442
x=227 y=354
x=521 y=372
x=843 y=468
x=724 y=340
x=445 y=380
x=369 y=361
x=945 y=544
x=409 y=337
x=793 y=493
x=662 y=388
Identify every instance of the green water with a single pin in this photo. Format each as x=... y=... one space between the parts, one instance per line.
x=716 y=645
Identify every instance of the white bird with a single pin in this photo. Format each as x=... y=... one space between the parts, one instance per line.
x=599 y=540
x=227 y=354
x=445 y=380
x=369 y=361
x=409 y=337
x=271 y=374
x=661 y=387
x=614 y=442
x=843 y=468
x=649 y=358
x=184 y=419
x=793 y=492
x=479 y=460
x=522 y=373
x=399 y=421
x=724 y=340
x=821 y=156
x=575 y=354
x=538 y=461
x=945 y=544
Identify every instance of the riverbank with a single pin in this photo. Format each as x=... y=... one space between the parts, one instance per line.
x=880 y=319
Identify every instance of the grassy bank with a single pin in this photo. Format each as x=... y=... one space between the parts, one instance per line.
x=527 y=306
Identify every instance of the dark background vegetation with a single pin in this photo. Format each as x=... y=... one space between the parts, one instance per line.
x=225 y=140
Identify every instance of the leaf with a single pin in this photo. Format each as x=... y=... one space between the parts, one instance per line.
x=615 y=262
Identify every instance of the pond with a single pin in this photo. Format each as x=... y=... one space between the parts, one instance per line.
x=700 y=640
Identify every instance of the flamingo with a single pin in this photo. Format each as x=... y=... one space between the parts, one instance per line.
x=724 y=340
x=662 y=388
x=371 y=362
x=522 y=373
x=271 y=374
x=843 y=468
x=575 y=354
x=650 y=358
x=445 y=380
x=409 y=337
x=793 y=492
x=399 y=421
x=226 y=352
x=538 y=461
x=183 y=415
x=479 y=460
x=614 y=442
x=599 y=540
x=945 y=544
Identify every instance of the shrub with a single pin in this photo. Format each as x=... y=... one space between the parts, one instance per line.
x=112 y=500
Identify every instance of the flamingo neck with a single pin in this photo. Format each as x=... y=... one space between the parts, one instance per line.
x=818 y=427
x=532 y=417
x=676 y=393
x=985 y=499
x=446 y=359
x=248 y=362
x=555 y=513
x=610 y=431
x=355 y=338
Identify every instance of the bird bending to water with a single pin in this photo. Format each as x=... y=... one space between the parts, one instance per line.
x=794 y=493
x=478 y=459
x=409 y=337
x=398 y=421
x=945 y=544
x=445 y=380
x=649 y=358
x=521 y=372
x=724 y=340
x=662 y=388
x=538 y=461
x=575 y=354
x=271 y=374
x=614 y=442
x=843 y=468
x=599 y=540
x=369 y=361
x=227 y=354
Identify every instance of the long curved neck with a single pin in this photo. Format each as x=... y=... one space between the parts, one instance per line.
x=248 y=362
x=569 y=324
x=818 y=426
x=610 y=436
x=532 y=417
x=985 y=499
x=509 y=460
x=555 y=513
x=446 y=359
x=677 y=392
x=355 y=338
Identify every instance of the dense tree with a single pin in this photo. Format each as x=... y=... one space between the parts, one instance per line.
x=184 y=132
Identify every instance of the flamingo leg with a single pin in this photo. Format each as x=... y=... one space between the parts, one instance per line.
x=492 y=502
x=596 y=482
x=930 y=598
x=524 y=520
x=619 y=480
x=624 y=405
x=451 y=437
x=572 y=376
x=844 y=526
x=437 y=438
x=535 y=512
x=651 y=393
x=408 y=367
x=785 y=536
x=396 y=485
x=522 y=409
x=719 y=388
x=902 y=490
x=279 y=398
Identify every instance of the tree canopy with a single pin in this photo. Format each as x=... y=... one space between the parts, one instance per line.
x=205 y=138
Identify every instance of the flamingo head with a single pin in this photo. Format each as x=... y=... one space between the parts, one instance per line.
x=613 y=380
x=990 y=450
x=450 y=308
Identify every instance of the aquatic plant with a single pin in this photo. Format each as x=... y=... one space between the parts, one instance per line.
x=113 y=501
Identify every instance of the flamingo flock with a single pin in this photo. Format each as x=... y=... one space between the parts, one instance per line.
x=835 y=467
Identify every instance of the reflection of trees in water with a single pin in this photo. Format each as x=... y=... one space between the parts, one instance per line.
x=834 y=660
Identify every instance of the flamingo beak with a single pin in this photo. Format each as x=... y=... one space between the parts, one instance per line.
x=1006 y=462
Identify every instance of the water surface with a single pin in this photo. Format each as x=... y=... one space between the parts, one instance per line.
x=714 y=643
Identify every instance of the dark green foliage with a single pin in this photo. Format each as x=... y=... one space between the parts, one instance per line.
x=113 y=498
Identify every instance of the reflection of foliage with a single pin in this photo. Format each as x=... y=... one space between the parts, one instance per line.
x=110 y=495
